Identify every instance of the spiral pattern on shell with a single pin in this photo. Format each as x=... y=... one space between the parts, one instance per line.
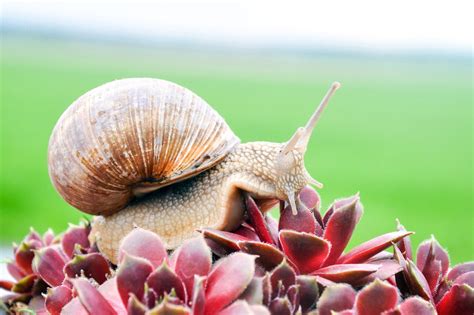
x=132 y=136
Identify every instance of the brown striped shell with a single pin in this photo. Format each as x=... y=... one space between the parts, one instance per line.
x=132 y=136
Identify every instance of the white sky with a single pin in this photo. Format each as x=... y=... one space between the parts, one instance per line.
x=362 y=24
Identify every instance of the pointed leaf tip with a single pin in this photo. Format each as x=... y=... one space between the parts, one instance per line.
x=428 y=252
x=163 y=281
x=92 y=265
x=340 y=226
x=257 y=220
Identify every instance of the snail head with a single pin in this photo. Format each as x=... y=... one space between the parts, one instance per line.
x=291 y=173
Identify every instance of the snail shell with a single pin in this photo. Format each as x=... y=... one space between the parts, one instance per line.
x=128 y=137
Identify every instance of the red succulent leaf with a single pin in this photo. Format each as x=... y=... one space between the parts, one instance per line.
x=33 y=235
x=308 y=291
x=16 y=272
x=433 y=273
x=466 y=278
x=163 y=281
x=459 y=300
x=6 y=285
x=92 y=300
x=302 y=221
x=227 y=280
x=281 y=278
x=92 y=265
x=404 y=244
x=253 y=294
x=280 y=306
x=272 y=226
x=417 y=281
x=145 y=244
x=338 y=204
x=247 y=231
x=310 y=198
x=375 y=298
x=168 y=308
x=135 y=307
x=48 y=264
x=57 y=298
x=368 y=249
x=413 y=276
x=192 y=258
x=411 y=306
x=429 y=251
x=75 y=235
x=36 y=305
x=387 y=269
x=306 y=251
x=340 y=226
x=24 y=255
x=24 y=285
x=199 y=298
x=338 y=297
x=131 y=276
x=268 y=256
x=347 y=273
x=237 y=308
x=257 y=220
x=459 y=270
x=225 y=239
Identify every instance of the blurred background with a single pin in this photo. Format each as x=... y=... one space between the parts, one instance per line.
x=399 y=131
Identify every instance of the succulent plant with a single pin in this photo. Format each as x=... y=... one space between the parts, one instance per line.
x=311 y=243
x=451 y=290
x=294 y=266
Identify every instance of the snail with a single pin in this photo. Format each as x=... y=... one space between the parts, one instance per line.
x=147 y=152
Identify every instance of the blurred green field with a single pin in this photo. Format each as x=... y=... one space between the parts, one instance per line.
x=399 y=130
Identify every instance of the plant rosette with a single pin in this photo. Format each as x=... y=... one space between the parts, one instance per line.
x=296 y=265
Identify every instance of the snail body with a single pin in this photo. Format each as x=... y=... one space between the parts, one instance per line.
x=149 y=153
